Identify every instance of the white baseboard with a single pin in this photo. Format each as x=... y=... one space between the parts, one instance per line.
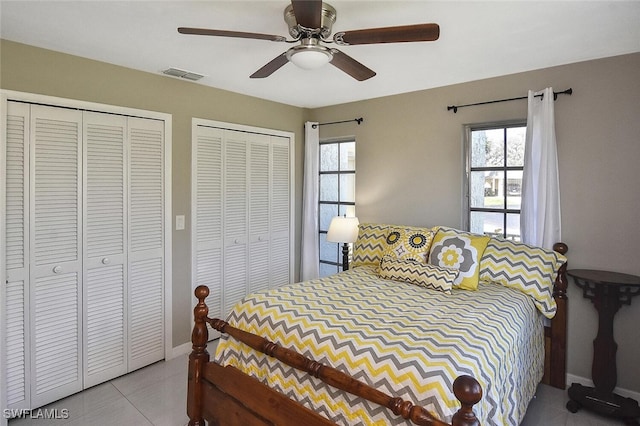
x=183 y=349
x=588 y=382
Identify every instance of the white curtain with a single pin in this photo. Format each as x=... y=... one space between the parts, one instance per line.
x=310 y=256
x=540 y=210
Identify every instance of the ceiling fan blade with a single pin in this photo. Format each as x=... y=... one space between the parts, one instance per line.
x=401 y=34
x=223 y=33
x=349 y=65
x=308 y=12
x=271 y=67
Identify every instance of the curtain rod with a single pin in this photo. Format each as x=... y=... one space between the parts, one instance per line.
x=359 y=120
x=569 y=91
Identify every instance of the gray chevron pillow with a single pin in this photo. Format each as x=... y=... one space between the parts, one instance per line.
x=532 y=270
x=421 y=274
x=370 y=245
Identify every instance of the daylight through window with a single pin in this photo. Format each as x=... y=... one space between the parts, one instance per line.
x=337 y=196
x=495 y=159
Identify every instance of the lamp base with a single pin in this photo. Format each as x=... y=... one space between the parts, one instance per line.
x=345 y=257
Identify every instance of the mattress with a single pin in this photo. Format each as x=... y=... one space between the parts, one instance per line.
x=402 y=339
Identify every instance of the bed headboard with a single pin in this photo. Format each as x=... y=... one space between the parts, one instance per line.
x=555 y=335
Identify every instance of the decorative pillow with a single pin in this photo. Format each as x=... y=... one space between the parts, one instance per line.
x=532 y=270
x=459 y=250
x=409 y=243
x=418 y=273
x=370 y=245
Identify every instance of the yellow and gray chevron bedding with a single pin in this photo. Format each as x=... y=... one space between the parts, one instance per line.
x=400 y=338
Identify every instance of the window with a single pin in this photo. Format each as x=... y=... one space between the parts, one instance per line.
x=493 y=184
x=337 y=196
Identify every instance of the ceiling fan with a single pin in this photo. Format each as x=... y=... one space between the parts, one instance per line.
x=310 y=23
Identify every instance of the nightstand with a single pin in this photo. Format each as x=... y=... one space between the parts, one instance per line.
x=608 y=291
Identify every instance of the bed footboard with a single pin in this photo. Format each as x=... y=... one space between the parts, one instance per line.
x=225 y=396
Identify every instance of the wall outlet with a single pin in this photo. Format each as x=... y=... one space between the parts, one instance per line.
x=180 y=222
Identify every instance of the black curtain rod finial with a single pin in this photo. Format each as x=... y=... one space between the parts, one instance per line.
x=569 y=91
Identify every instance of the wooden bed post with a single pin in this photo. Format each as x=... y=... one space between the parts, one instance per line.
x=558 y=361
x=198 y=358
x=469 y=392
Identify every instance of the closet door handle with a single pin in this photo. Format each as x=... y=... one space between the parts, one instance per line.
x=236 y=241
x=106 y=261
x=57 y=269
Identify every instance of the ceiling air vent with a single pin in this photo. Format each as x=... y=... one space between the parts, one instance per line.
x=188 y=75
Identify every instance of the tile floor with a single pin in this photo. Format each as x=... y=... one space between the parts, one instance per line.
x=156 y=395
x=548 y=409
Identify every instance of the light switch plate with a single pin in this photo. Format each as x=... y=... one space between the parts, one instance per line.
x=179 y=222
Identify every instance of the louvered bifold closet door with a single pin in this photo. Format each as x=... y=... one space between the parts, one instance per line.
x=146 y=242
x=235 y=217
x=17 y=256
x=207 y=223
x=280 y=212
x=55 y=241
x=104 y=248
x=259 y=237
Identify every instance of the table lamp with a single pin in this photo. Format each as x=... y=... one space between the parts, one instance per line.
x=344 y=230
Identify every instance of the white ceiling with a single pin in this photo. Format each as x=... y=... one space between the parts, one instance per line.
x=478 y=39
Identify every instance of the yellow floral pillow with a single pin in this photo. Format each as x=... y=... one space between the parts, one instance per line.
x=409 y=243
x=459 y=250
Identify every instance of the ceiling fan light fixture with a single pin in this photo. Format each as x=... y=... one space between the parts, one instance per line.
x=311 y=59
x=310 y=56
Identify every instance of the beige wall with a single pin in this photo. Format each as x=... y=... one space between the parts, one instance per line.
x=409 y=162
x=28 y=69
x=410 y=170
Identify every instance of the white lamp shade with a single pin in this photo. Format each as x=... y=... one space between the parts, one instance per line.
x=310 y=59
x=343 y=230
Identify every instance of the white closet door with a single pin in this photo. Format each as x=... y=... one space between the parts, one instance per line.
x=17 y=256
x=235 y=218
x=280 y=211
x=104 y=247
x=146 y=242
x=56 y=235
x=241 y=230
x=259 y=213
x=207 y=216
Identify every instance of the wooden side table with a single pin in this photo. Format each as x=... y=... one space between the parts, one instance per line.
x=608 y=291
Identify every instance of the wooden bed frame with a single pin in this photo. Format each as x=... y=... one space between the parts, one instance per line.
x=224 y=396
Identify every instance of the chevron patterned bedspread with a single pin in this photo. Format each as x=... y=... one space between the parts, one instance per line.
x=402 y=339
